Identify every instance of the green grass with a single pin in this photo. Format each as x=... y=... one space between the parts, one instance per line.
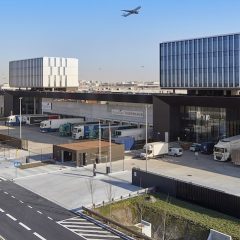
x=197 y=215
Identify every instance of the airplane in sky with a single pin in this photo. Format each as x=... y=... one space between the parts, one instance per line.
x=129 y=12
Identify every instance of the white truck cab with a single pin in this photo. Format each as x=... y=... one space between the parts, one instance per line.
x=223 y=149
x=78 y=132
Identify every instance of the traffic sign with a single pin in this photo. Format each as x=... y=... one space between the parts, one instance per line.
x=17 y=164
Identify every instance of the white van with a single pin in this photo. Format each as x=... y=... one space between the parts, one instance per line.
x=175 y=151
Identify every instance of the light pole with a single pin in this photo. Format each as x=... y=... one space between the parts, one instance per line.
x=99 y=141
x=110 y=147
x=20 y=119
x=146 y=113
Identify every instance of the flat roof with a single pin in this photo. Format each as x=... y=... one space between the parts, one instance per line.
x=84 y=145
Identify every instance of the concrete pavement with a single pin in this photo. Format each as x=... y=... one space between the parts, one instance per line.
x=26 y=216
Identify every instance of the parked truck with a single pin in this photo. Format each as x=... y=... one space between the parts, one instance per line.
x=223 y=149
x=85 y=131
x=154 y=149
x=113 y=129
x=67 y=129
x=14 y=120
x=53 y=125
x=92 y=130
x=139 y=134
x=36 y=119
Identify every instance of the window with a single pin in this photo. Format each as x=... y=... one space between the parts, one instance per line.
x=220 y=41
x=210 y=49
x=205 y=48
x=231 y=42
x=236 y=42
x=225 y=43
x=215 y=44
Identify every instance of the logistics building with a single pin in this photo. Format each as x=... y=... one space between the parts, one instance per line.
x=201 y=63
x=207 y=67
x=44 y=72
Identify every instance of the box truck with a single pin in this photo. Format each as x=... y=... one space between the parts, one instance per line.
x=53 y=125
x=154 y=149
x=223 y=149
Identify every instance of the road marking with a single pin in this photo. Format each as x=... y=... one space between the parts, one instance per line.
x=23 y=225
x=4 y=179
x=39 y=212
x=50 y=218
x=1 y=210
x=12 y=196
x=20 y=201
x=39 y=236
x=29 y=206
x=10 y=216
x=86 y=229
x=6 y=193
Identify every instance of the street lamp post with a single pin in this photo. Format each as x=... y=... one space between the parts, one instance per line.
x=99 y=141
x=146 y=113
x=20 y=113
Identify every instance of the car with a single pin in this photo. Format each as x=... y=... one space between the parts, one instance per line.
x=207 y=147
x=195 y=147
x=175 y=151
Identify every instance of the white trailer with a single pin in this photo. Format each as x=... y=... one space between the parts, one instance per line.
x=52 y=125
x=155 y=149
x=138 y=134
x=223 y=149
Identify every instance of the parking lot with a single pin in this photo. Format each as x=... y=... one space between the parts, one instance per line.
x=68 y=185
x=36 y=139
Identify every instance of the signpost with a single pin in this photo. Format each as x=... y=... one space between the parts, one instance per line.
x=17 y=164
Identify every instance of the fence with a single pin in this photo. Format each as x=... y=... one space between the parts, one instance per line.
x=14 y=142
x=188 y=191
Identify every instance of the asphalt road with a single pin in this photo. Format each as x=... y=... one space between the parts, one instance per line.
x=27 y=216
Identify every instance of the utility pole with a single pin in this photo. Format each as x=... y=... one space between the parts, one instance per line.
x=99 y=141
x=20 y=113
x=146 y=113
x=110 y=147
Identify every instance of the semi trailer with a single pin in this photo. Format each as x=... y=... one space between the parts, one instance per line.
x=53 y=125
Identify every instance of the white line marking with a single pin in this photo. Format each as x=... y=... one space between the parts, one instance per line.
x=10 y=216
x=39 y=174
x=1 y=210
x=12 y=196
x=50 y=218
x=23 y=225
x=39 y=212
x=6 y=193
x=39 y=236
x=20 y=201
x=4 y=179
x=29 y=206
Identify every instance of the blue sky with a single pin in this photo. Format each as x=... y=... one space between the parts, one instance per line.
x=109 y=47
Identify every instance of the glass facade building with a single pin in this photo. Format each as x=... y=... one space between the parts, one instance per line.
x=210 y=62
x=208 y=123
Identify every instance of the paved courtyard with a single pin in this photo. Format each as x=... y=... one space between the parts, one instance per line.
x=69 y=186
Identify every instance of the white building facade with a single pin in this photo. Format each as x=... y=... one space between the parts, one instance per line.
x=44 y=72
x=123 y=113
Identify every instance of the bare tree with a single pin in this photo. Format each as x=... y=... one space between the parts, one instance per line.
x=91 y=187
x=162 y=232
x=110 y=197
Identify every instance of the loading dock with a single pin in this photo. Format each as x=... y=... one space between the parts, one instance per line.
x=87 y=152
